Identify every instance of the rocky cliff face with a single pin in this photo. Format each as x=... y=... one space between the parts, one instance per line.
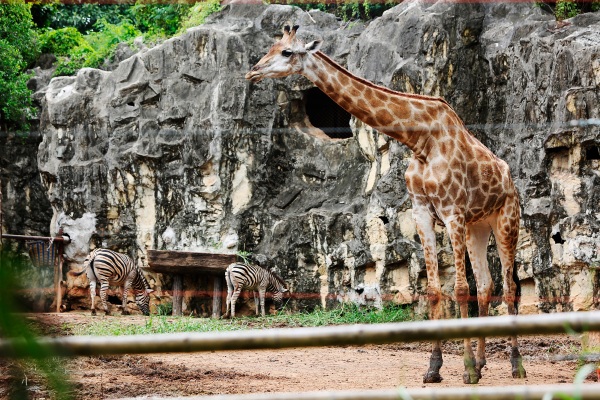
x=175 y=150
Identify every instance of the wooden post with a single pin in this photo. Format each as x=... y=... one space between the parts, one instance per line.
x=177 y=294
x=217 y=299
x=58 y=281
x=58 y=271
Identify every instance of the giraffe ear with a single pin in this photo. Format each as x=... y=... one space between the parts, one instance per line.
x=313 y=46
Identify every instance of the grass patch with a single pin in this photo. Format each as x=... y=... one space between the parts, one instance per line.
x=347 y=314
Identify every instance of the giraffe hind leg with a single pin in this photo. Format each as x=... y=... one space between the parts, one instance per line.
x=506 y=232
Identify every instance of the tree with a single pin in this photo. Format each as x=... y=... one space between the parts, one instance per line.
x=19 y=48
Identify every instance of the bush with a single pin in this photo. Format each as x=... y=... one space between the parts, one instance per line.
x=198 y=13
x=162 y=20
x=60 y=42
x=96 y=47
x=566 y=9
x=347 y=10
x=19 y=48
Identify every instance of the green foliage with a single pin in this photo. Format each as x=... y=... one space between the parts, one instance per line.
x=348 y=10
x=61 y=41
x=17 y=28
x=82 y=17
x=566 y=9
x=111 y=25
x=244 y=255
x=164 y=309
x=199 y=12
x=19 y=48
x=158 y=20
x=96 y=47
x=346 y=314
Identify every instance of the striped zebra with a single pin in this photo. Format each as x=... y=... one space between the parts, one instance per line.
x=106 y=266
x=252 y=277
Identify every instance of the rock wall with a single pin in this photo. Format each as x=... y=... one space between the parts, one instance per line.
x=175 y=150
x=26 y=210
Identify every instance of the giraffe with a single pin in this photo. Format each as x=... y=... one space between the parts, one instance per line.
x=452 y=179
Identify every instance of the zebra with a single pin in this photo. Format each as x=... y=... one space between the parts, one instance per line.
x=107 y=266
x=252 y=277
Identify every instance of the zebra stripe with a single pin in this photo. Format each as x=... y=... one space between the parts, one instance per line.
x=106 y=267
x=252 y=277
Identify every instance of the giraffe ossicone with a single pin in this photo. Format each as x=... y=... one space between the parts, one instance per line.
x=452 y=179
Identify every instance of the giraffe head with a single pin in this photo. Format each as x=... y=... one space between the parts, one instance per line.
x=286 y=57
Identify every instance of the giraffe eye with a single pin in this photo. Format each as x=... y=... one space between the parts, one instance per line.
x=287 y=53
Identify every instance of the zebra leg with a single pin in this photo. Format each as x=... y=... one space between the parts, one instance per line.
x=261 y=293
x=229 y=292
x=234 y=297
x=255 y=302
x=126 y=287
x=103 y=290
x=93 y=296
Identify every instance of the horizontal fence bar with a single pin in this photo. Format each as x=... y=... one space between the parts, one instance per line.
x=312 y=337
x=535 y=392
x=64 y=239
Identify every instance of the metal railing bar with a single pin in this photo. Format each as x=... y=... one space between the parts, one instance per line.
x=312 y=337
x=534 y=392
x=64 y=239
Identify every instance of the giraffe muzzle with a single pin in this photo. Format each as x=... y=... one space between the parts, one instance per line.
x=254 y=75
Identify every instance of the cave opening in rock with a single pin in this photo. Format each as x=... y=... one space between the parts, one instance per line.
x=558 y=238
x=326 y=115
x=592 y=153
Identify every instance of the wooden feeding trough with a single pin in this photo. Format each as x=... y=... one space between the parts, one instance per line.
x=180 y=263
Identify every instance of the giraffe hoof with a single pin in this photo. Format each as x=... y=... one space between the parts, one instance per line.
x=519 y=373
x=432 y=377
x=471 y=378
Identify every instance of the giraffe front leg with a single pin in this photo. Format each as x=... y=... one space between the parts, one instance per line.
x=426 y=232
x=478 y=236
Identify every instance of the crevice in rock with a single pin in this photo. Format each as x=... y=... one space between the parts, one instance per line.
x=558 y=238
x=592 y=152
x=326 y=115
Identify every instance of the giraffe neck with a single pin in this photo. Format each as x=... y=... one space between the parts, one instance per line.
x=411 y=119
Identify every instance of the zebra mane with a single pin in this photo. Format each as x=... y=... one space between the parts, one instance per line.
x=278 y=278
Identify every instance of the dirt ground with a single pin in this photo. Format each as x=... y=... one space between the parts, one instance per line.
x=306 y=369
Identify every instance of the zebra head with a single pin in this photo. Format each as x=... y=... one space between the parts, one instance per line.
x=142 y=298
x=279 y=287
